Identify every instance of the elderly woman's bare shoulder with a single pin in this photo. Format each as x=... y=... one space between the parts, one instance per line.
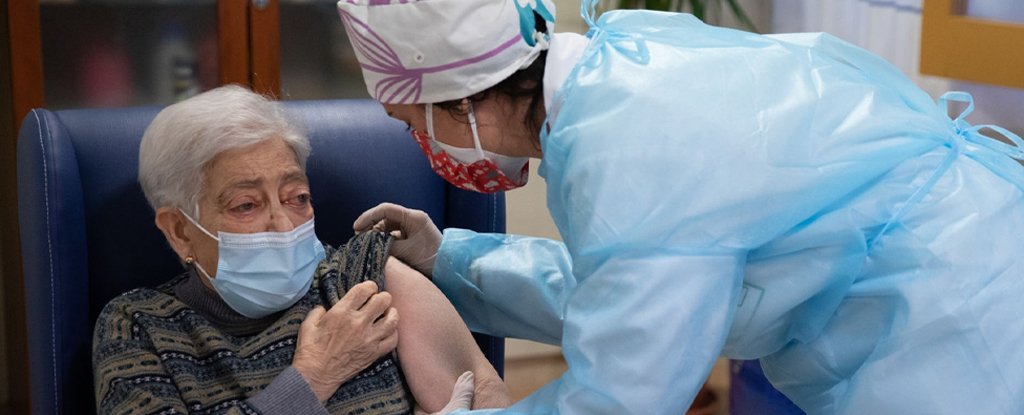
x=401 y=276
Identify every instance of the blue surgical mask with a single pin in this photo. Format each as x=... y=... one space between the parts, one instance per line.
x=259 y=274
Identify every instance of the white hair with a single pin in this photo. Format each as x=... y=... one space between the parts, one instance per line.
x=184 y=138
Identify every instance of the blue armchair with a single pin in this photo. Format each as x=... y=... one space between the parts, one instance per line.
x=87 y=233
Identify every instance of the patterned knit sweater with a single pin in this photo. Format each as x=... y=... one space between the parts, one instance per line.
x=164 y=351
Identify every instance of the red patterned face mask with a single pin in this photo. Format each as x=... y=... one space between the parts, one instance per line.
x=482 y=176
x=488 y=173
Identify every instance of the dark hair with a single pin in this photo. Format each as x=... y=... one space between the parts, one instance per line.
x=526 y=83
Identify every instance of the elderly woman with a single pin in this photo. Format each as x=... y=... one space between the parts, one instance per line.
x=266 y=319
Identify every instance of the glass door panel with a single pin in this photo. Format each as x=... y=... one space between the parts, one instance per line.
x=317 y=61
x=115 y=53
x=1003 y=10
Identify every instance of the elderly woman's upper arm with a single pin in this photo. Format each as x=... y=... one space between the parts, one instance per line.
x=434 y=345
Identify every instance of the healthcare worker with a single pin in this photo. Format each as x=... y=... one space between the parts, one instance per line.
x=788 y=198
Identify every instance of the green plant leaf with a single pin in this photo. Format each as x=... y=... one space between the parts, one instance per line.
x=697 y=6
x=662 y=5
x=741 y=15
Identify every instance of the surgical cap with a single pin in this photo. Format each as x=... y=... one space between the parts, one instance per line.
x=426 y=51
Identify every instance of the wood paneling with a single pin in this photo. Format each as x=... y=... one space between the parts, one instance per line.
x=26 y=57
x=963 y=47
x=232 y=42
x=265 y=23
x=26 y=92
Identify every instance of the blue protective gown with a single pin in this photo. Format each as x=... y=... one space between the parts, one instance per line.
x=790 y=198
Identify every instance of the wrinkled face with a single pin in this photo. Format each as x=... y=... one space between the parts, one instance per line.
x=259 y=188
x=499 y=124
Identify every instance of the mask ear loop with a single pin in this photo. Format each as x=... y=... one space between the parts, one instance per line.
x=195 y=264
x=472 y=128
x=430 y=121
x=198 y=225
x=476 y=135
x=190 y=260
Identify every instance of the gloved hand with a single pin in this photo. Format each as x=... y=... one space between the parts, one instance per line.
x=417 y=238
x=462 y=396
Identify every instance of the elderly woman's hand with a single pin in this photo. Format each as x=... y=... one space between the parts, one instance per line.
x=334 y=345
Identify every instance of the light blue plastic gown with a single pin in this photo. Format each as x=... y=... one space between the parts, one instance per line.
x=790 y=198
